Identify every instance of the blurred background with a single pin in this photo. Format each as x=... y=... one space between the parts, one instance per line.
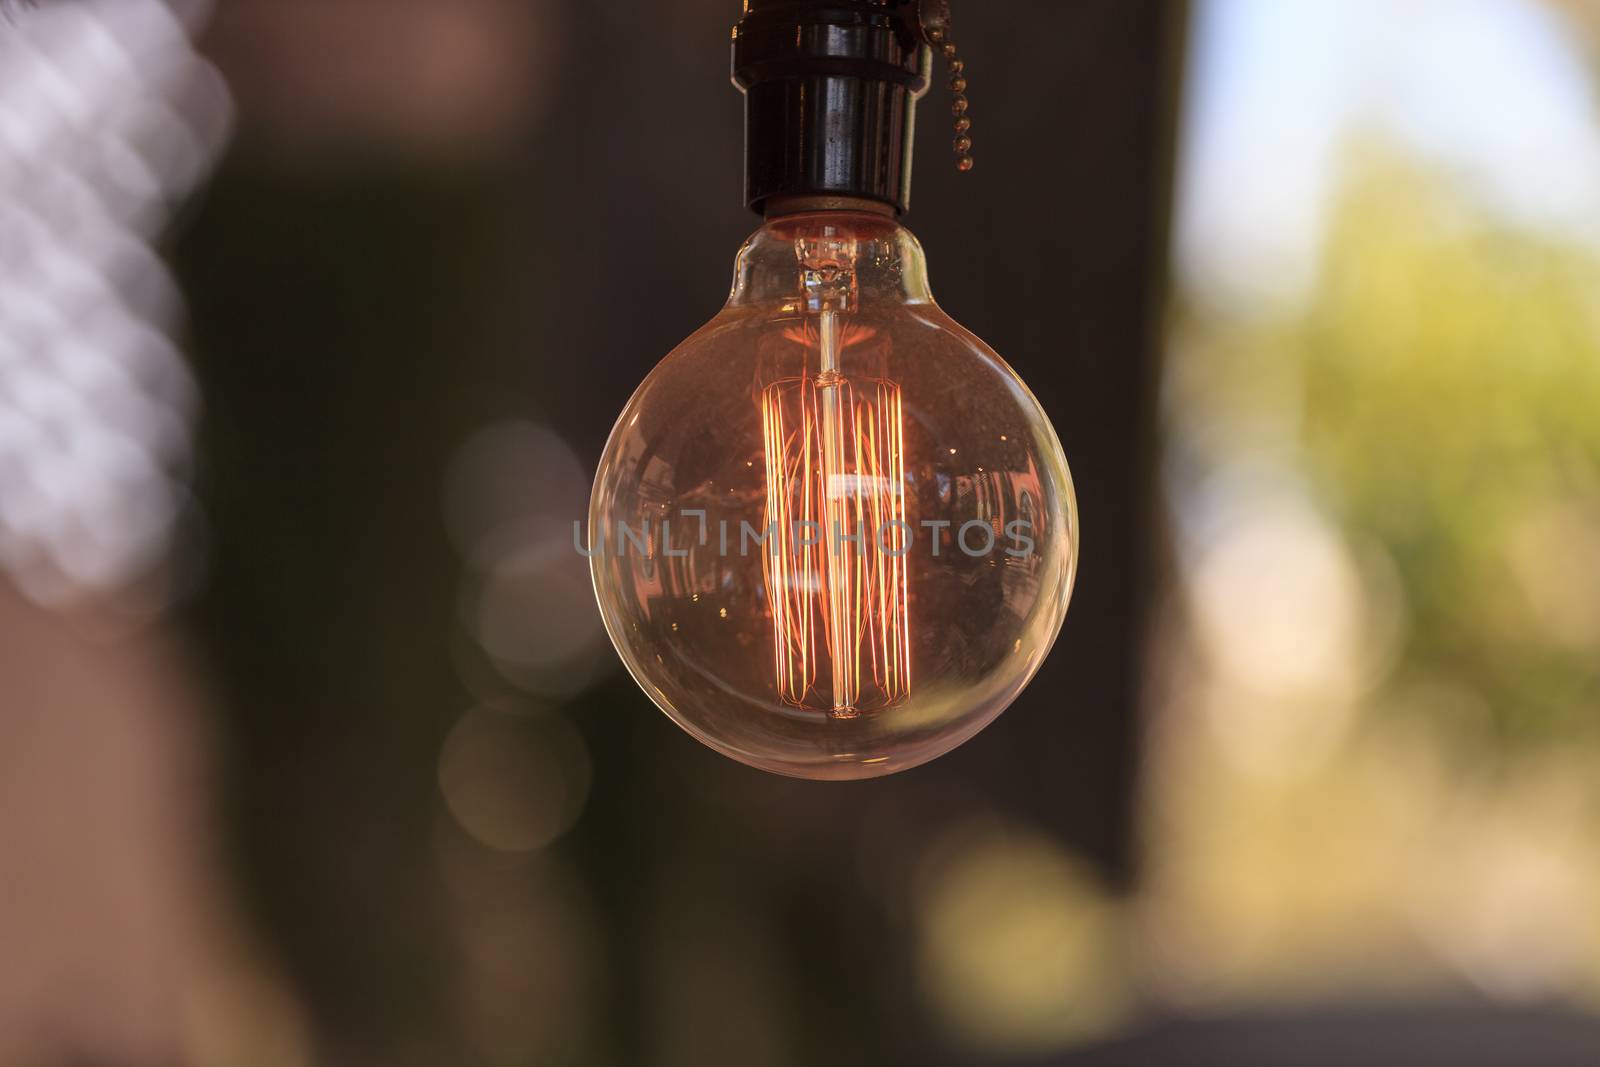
x=315 y=314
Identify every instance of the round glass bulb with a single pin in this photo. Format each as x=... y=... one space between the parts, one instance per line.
x=833 y=535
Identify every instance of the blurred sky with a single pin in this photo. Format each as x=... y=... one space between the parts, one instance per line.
x=1495 y=90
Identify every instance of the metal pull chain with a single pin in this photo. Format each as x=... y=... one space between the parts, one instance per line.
x=936 y=26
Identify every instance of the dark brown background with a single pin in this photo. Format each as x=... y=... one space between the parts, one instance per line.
x=368 y=287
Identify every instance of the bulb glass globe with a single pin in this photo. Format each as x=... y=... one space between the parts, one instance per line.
x=833 y=535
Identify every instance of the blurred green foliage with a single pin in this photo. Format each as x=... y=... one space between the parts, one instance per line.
x=1439 y=389
x=1416 y=814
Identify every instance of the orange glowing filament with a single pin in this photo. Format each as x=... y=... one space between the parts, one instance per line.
x=836 y=568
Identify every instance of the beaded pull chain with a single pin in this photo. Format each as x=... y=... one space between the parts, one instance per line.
x=939 y=36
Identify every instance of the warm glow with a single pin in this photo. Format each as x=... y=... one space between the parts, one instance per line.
x=780 y=535
x=835 y=477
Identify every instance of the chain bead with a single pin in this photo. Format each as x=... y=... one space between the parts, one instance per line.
x=938 y=37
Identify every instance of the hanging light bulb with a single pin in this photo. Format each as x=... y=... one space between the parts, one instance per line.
x=833 y=534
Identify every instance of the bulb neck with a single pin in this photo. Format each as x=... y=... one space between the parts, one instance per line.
x=831 y=89
x=847 y=260
x=778 y=207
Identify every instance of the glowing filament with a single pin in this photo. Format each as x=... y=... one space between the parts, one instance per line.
x=836 y=568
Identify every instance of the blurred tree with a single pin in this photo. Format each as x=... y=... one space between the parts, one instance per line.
x=1445 y=380
x=1452 y=385
x=1413 y=806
